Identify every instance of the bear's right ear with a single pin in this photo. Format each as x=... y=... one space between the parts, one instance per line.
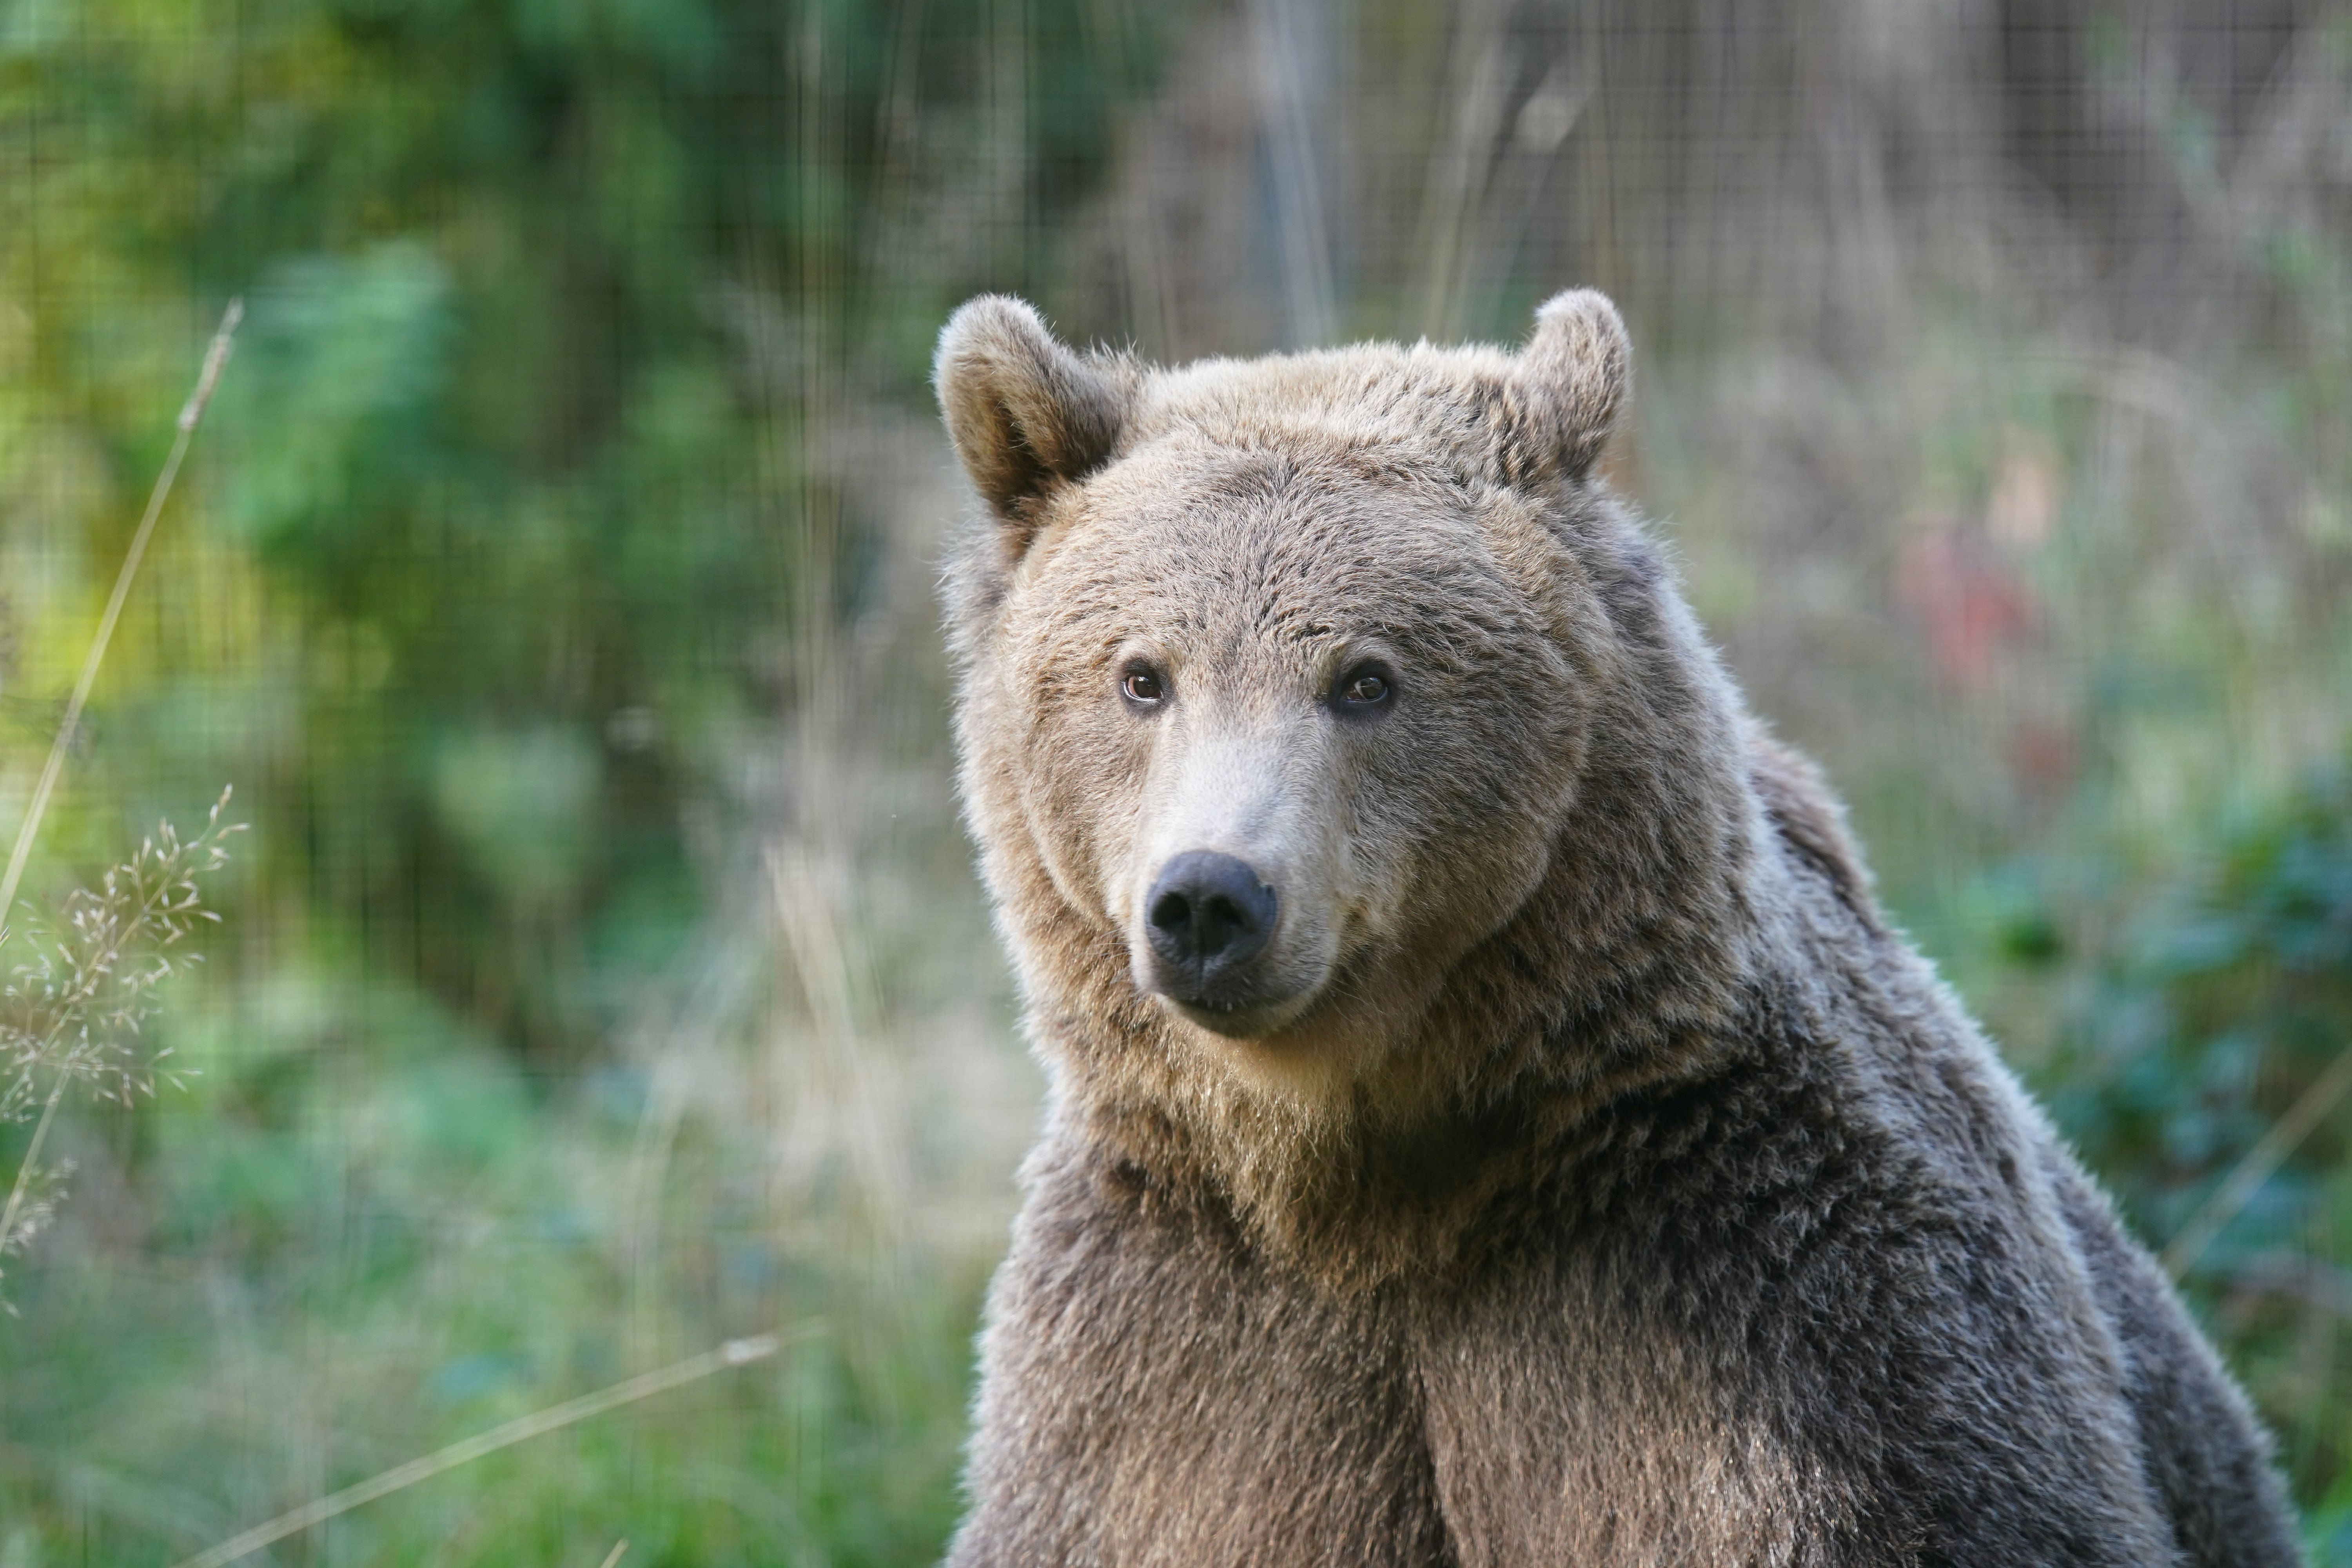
x=1023 y=412
x=1568 y=383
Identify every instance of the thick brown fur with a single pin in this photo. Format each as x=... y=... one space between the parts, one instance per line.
x=1603 y=1181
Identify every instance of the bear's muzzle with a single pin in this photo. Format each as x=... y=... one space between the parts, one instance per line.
x=1208 y=917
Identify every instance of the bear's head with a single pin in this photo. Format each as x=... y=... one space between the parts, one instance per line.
x=1331 y=735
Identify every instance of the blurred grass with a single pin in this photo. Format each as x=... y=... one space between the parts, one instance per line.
x=605 y=978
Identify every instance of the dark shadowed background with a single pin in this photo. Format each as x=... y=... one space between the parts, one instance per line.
x=602 y=975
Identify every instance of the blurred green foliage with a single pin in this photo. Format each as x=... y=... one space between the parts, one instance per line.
x=2217 y=1006
x=349 y=1267
x=515 y=446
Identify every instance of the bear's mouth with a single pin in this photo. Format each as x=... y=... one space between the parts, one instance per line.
x=1264 y=1000
x=1241 y=1019
x=1246 y=1003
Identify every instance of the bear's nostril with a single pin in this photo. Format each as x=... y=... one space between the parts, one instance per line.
x=1209 y=914
x=1219 y=921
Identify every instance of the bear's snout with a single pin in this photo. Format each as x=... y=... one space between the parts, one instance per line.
x=1208 y=916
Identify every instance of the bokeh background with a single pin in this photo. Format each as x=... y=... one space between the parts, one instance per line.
x=603 y=975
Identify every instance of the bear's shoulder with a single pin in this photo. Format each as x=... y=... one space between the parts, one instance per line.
x=1810 y=823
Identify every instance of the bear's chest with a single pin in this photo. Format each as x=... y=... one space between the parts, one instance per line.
x=1182 y=1402
x=1562 y=1430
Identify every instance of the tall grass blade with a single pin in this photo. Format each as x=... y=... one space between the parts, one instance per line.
x=192 y=414
x=726 y=1357
x=2265 y=1157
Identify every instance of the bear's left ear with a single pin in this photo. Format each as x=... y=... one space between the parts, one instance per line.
x=1565 y=391
x=1023 y=410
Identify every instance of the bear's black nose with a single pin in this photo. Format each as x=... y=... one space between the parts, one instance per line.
x=1208 y=915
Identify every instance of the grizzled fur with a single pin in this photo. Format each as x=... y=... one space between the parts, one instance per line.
x=1592 y=1176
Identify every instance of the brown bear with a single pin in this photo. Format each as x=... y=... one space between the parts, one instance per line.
x=1491 y=1121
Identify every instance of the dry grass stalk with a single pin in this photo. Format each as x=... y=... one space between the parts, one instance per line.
x=192 y=414
x=71 y=1012
x=727 y=1356
x=2265 y=1157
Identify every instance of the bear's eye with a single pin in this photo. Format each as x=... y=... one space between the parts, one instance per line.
x=1142 y=684
x=1364 y=688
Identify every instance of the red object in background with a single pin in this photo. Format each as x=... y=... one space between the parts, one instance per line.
x=1969 y=601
